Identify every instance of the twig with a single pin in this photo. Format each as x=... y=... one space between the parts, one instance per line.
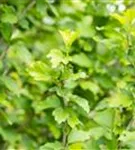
x=64 y=138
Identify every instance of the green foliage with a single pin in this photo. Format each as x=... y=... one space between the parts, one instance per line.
x=67 y=70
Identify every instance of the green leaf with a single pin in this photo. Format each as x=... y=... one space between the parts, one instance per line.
x=80 y=101
x=76 y=146
x=102 y=105
x=85 y=28
x=90 y=86
x=39 y=71
x=5 y=115
x=20 y=53
x=120 y=99
x=6 y=30
x=41 y=7
x=56 y=56
x=60 y=115
x=9 y=135
x=128 y=138
x=8 y=15
x=50 y=102
x=73 y=120
x=127 y=17
x=54 y=10
x=105 y=117
x=9 y=18
x=56 y=132
x=91 y=145
x=68 y=36
x=11 y=85
x=81 y=60
x=97 y=132
x=52 y=146
x=24 y=24
x=78 y=136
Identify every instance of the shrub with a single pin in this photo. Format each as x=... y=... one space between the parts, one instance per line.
x=67 y=74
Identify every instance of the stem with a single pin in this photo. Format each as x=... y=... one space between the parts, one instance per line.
x=129 y=43
x=65 y=133
x=64 y=139
x=67 y=51
x=129 y=49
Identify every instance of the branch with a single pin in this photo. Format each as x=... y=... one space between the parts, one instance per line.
x=64 y=138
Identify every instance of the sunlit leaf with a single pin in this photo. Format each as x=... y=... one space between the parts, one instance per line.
x=80 y=101
x=73 y=120
x=56 y=57
x=82 y=60
x=8 y=15
x=50 y=102
x=78 y=146
x=105 y=117
x=128 y=138
x=120 y=99
x=68 y=36
x=39 y=71
x=78 y=136
x=60 y=115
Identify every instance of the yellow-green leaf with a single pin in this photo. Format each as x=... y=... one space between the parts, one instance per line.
x=68 y=36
